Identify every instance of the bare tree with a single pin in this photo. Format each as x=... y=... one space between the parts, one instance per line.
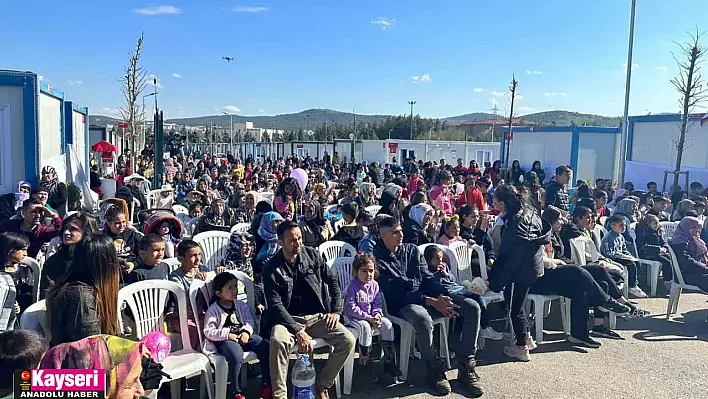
x=133 y=83
x=689 y=83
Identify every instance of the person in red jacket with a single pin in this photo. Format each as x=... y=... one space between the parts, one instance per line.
x=30 y=225
x=471 y=196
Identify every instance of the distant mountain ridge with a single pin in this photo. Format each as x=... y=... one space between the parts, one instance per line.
x=312 y=117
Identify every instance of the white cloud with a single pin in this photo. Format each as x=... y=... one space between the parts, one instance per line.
x=385 y=23
x=231 y=108
x=251 y=9
x=499 y=93
x=478 y=90
x=261 y=111
x=73 y=82
x=40 y=77
x=176 y=75
x=109 y=111
x=662 y=68
x=157 y=10
x=525 y=108
x=554 y=94
x=534 y=72
x=424 y=78
x=519 y=97
x=634 y=66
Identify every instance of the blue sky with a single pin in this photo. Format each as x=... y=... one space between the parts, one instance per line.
x=451 y=56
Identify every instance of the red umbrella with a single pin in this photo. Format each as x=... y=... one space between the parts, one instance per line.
x=103 y=146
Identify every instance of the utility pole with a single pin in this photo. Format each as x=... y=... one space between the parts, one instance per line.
x=231 y=119
x=353 y=137
x=623 y=137
x=495 y=110
x=514 y=84
x=412 y=103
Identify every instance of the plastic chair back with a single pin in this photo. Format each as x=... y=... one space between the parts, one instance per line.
x=448 y=256
x=331 y=250
x=463 y=254
x=668 y=229
x=35 y=319
x=373 y=209
x=343 y=267
x=240 y=227
x=36 y=275
x=172 y=264
x=214 y=245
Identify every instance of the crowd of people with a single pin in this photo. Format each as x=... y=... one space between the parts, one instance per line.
x=523 y=222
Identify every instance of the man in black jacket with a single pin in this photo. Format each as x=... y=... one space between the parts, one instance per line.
x=304 y=302
x=413 y=294
x=377 y=174
x=556 y=193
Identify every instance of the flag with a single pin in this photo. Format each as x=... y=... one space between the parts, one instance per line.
x=704 y=119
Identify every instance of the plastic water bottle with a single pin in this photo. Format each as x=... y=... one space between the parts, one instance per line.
x=303 y=378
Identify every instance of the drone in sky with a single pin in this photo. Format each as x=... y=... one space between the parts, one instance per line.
x=228 y=59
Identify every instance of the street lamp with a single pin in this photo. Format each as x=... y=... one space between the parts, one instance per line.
x=412 y=103
x=144 y=121
x=231 y=118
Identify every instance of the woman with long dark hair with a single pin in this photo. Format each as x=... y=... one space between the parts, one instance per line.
x=286 y=198
x=73 y=229
x=84 y=301
x=540 y=173
x=516 y=174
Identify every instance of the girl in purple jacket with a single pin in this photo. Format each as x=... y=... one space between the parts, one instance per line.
x=363 y=312
x=228 y=328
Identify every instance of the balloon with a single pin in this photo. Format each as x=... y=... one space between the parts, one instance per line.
x=159 y=345
x=460 y=188
x=301 y=176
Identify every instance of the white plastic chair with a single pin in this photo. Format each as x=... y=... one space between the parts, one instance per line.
x=153 y=195
x=267 y=195
x=221 y=367
x=678 y=284
x=214 y=245
x=489 y=296
x=172 y=264
x=408 y=338
x=580 y=256
x=240 y=227
x=668 y=229
x=180 y=210
x=147 y=301
x=539 y=303
x=343 y=268
x=653 y=265
x=331 y=250
x=331 y=208
x=36 y=275
x=35 y=319
x=373 y=209
x=603 y=219
x=463 y=254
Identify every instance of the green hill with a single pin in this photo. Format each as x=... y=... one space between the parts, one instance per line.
x=566 y=118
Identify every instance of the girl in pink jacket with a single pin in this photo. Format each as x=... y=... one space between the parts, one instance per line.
x=228 y=328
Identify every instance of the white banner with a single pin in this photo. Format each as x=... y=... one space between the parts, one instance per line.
x=641 y=173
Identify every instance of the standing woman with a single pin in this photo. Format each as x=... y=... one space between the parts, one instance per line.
x=519 y=259
x=84 y=301
x=57 y=191
x=73 y=229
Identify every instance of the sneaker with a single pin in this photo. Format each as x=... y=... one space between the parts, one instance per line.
x=490 y=333
x=530 y=343
x=265 y=392
x=467 y=374
x=604 y=332
x=437 y=380
x=613 y=306
x=636 y=292
x=322 y=393
x=587 y=342
x=640 y=313
x=517 y=352
x=239 y=396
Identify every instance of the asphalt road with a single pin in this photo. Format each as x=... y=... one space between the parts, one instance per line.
x=656 y=359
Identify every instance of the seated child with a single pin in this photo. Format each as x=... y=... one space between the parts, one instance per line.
x=351 y=232
x=363 y=312
x=19 y=350
x=13 y=249
x=450 y=230
x=652 y=245
x=152 y=251
x=228 y=328
x=614 y=247
x=189 y=255
x=434 y=258
x=238 y=257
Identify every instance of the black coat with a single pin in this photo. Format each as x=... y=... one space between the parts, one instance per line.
x=278 y=284
x=520 y=257
x=557 y=195
x=414 y=234
x=404 y=278
x=693 y=271
x=377 y=176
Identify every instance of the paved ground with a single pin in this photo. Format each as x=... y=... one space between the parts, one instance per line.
x=656 y=359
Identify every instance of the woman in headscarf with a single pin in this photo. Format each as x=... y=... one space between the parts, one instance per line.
x=10 y=204
x=216 y=218
x=618 y=196
x=121 y=359
x=682 y=209
x=57 y=190
x=691 y=252
x=391 y=203
x=238 y=257
x=245 y=212
x=268 y=233
x=315 y=230
x=367 y=194
x=420 y=228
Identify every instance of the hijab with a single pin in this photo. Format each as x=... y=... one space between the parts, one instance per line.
x=387 y=200
x=234 y=259
x=210 y=216
x=418 y=212
x=317 y=223
x=269 y=234
x=115 y=355
x=627 y=207
x=21 y=197
x=52 y=184
x=683 y=236
x=366 y=192
x=681 y=208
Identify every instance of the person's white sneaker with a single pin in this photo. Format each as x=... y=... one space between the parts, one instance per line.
x=530 y=343
x=636 y=292
x=517 y=352
x=490 y=333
